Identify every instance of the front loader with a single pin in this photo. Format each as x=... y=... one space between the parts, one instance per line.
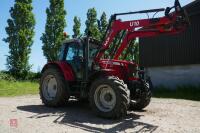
x=98 y=70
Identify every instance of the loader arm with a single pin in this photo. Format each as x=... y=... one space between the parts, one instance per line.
x=171 y=23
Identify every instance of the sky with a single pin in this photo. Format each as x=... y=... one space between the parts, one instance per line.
x=74 y=8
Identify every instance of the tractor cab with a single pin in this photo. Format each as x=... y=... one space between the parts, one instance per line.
x=79 y=54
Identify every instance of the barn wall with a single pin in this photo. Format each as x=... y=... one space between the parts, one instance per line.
x=174 y=60
x=173 y=76
x=172 y=50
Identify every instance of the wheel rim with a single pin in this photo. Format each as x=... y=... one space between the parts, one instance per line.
x=105 y=98
x=49 y=87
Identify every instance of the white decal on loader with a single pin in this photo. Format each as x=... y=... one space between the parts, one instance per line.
x=134 y=23
x=108 y=39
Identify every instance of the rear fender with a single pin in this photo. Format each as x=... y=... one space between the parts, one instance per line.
x=65 y=69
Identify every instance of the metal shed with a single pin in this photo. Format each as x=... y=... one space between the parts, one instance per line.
x=174 y=60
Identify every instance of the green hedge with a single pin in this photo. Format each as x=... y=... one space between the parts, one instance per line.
x=5 y=75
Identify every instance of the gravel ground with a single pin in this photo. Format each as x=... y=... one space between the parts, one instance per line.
x=26 y=114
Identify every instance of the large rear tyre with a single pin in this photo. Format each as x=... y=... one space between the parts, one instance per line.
x=109 y=97
x=142 y=97
x=53 y=88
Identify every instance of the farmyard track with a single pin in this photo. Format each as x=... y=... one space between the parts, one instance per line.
x=162 y=115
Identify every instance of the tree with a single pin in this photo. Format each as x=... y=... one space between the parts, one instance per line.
x=76 y=27
x=103 y=24
x=54 y=29
x=131 y=52
x=91 y=24
x=20 y=31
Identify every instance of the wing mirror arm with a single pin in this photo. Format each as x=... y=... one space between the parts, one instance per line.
x=167 y=11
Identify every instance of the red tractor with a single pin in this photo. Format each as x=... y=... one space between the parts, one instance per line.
x=98 y=71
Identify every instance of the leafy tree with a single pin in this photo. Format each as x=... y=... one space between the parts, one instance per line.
x=103 y=24
x=131 y=52
x=55 y=24
x=91 y=24
x=76 y=27
x=20 y=31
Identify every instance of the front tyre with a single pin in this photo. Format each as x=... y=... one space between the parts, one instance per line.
x=53 y=88
x=109 y=97
x=142 y=95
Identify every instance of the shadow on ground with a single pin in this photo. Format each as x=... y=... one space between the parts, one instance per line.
x=79 y=115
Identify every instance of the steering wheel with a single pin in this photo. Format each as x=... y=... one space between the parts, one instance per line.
x=78 y=58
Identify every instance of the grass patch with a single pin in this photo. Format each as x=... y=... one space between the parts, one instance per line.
x=181 y=92
x=18 y=88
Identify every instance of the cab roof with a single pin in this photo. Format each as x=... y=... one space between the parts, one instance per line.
x=92 y=40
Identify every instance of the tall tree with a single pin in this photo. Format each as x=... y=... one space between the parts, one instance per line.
x=103 y=24
x=76 y=27
x=55 y=24
x=20 y=31
x=91 y=24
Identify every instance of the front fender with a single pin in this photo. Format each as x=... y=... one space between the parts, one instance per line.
x=65 y=69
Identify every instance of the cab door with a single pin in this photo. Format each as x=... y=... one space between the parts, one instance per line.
x=74 y=57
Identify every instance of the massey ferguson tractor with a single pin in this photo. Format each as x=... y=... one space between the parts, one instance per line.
x=98 y=70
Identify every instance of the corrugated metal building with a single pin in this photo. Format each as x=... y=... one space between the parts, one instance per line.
x=174 y=59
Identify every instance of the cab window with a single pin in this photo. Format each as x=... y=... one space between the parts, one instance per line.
x=74 y=51
x=75 y=58
x=61 y=53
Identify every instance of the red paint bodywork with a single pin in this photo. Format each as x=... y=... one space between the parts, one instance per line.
x=113 y=67
x=65 y=69
x=117 y=68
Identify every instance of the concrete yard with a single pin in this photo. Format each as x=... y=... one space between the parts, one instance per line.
x=26 y=114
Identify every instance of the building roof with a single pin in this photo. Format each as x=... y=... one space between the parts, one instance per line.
x=193 y=8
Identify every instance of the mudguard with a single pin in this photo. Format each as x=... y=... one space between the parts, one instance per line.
x=63 y=67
